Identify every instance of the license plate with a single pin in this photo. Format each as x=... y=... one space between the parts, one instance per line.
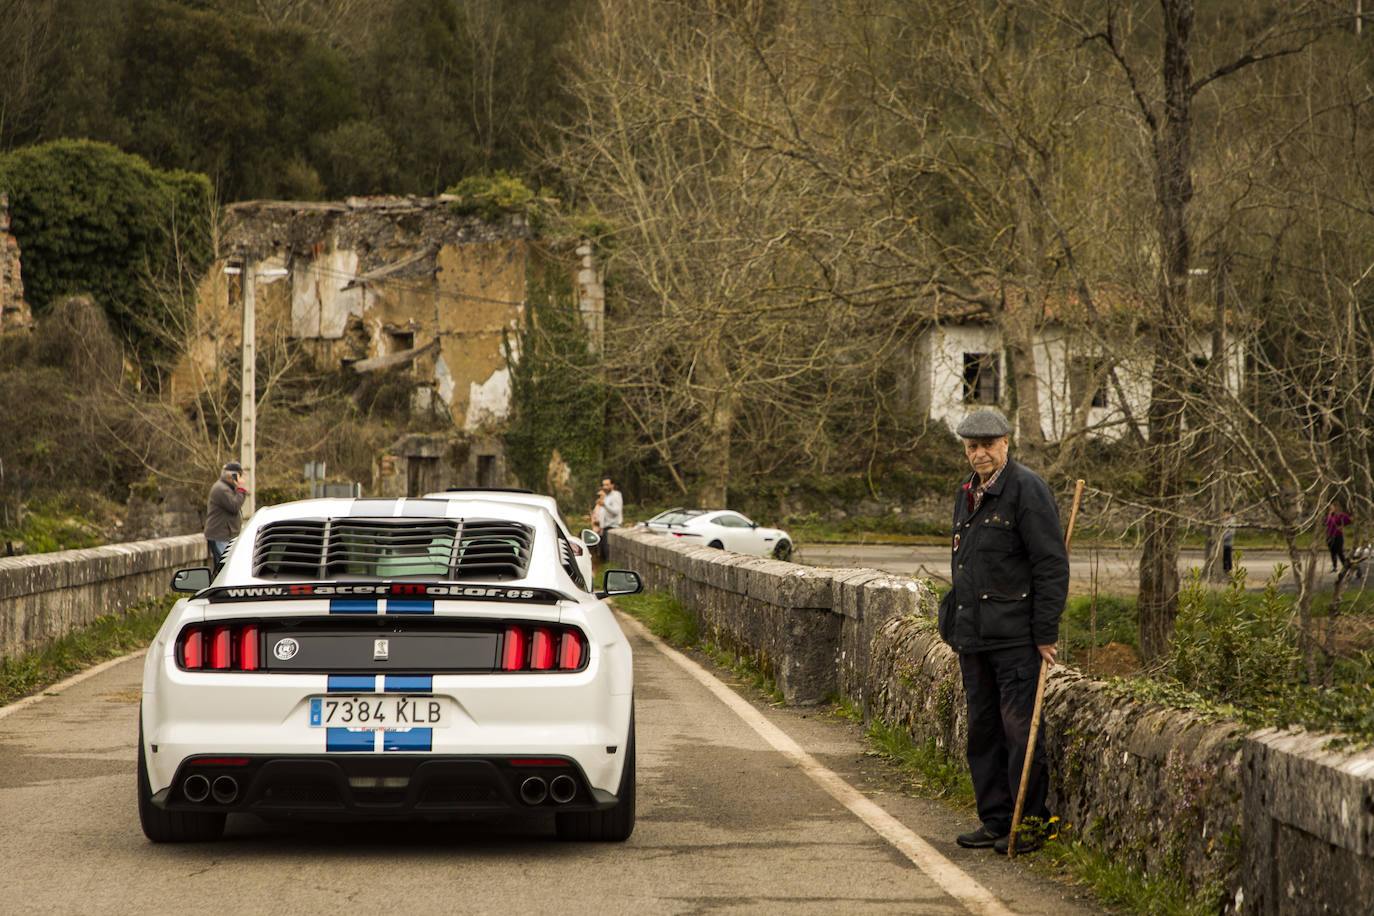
x=378 y=712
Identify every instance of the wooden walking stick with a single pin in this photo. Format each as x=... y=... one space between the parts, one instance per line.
x=1039 y=700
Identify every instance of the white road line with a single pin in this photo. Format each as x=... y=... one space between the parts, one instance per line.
x=63 y=685
x=953 y=880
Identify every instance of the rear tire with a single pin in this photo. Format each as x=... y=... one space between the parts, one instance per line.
x=613 y=825
x=783 y=551
x=171 y=826
x=717 y=545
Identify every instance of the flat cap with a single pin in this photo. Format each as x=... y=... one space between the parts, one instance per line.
x=234 y=467
x=984 y=423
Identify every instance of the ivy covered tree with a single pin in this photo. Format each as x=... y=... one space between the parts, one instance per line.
x=93 y=220
x=558 y=398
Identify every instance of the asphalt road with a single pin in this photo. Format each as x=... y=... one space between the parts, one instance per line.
x=743 y=808
x=1110 y=569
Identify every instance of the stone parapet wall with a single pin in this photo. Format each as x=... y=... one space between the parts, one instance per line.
x=810 y=629
x=46 y=596
x=1269 y=822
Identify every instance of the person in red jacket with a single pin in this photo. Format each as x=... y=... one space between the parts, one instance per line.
x=1336 y=520
x=222 y=512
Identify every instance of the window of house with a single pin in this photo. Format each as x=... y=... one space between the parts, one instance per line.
x=1088 y=373
x=402 y=341
x=982 y=378
x=486 y=470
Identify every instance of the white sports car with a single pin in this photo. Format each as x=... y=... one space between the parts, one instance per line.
x=725 y=529
x=405 y=659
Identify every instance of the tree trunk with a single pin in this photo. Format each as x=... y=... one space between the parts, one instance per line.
x=1158 y=602
x=714 y=379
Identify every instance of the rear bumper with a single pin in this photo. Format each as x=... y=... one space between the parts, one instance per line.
x=403 y=787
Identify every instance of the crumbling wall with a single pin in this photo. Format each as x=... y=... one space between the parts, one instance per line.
x=14 y=311
x=379 y=283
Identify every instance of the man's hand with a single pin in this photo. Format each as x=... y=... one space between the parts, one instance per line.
x=1049 y=652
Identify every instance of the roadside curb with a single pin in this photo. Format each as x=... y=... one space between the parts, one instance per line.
x=54 y=689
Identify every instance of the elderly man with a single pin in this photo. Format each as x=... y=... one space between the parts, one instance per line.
x=1010 y=575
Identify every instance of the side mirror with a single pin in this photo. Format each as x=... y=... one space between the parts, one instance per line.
x=191 y=580
x=620 y=582
x=590 y=537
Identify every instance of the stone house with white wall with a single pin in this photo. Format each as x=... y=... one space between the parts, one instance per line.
x=961 y=363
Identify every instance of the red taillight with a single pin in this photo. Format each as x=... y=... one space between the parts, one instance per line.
x=192 y=650
x=541 y=650
x=219 y=648
x=224 y=647
x=570 y=652
x=247 y=640
x=551 y=648
x=513 y=656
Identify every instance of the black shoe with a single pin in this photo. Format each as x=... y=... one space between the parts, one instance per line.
x=1028 y=841
x=981 y=838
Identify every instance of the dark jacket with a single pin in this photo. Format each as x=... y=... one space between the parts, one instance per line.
x=222 y=511
x=1009 y=566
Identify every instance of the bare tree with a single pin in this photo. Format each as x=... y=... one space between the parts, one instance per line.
x=26 y=55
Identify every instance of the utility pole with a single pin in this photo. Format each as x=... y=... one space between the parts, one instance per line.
x=248 y=412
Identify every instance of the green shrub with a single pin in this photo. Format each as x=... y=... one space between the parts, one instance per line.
x=92 y=219
x=1229 y=645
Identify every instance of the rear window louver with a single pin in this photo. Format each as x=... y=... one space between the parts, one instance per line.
x=385 y=548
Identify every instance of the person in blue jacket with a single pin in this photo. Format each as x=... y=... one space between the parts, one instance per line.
x=1010 y=576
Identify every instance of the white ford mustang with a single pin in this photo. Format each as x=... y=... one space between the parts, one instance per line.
x=407 y=659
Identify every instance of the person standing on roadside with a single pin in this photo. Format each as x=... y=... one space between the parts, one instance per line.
x=222 y=513
x=612 y=511
x=1010 y=577
x=1228 y=540
x=1336 y=520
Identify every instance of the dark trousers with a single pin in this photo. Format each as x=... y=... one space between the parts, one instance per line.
x=1337 y=547
x=1000 y=687
x=1226 y=554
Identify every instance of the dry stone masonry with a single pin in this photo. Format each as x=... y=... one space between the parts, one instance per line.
x=1269 y=822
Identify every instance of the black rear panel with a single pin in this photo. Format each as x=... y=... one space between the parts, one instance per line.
x=380 y=649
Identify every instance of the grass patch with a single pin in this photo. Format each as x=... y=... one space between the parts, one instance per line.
x=749 y=672
x=1121 y=885
x=106 y=637
x=60 y=522
x=1095 y=620
x=664 y=615
x=936 y=774
x=667 y=619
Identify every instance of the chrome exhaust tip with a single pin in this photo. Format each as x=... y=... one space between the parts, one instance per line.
x=563 y=789
x=196 y=788
x=225 y=789
x=533 y=791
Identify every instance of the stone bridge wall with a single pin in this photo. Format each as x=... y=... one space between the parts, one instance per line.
x=48 y=595
x=1270 y=820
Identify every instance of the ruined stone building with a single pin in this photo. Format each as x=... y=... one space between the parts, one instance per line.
x=14 y=311
x=385 y=283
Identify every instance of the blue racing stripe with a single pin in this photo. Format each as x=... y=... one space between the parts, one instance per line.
x=408 y=684
x=415 y=739
x=341 y=739
x=345 y=683
x=351 y=606
x=409 y=606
